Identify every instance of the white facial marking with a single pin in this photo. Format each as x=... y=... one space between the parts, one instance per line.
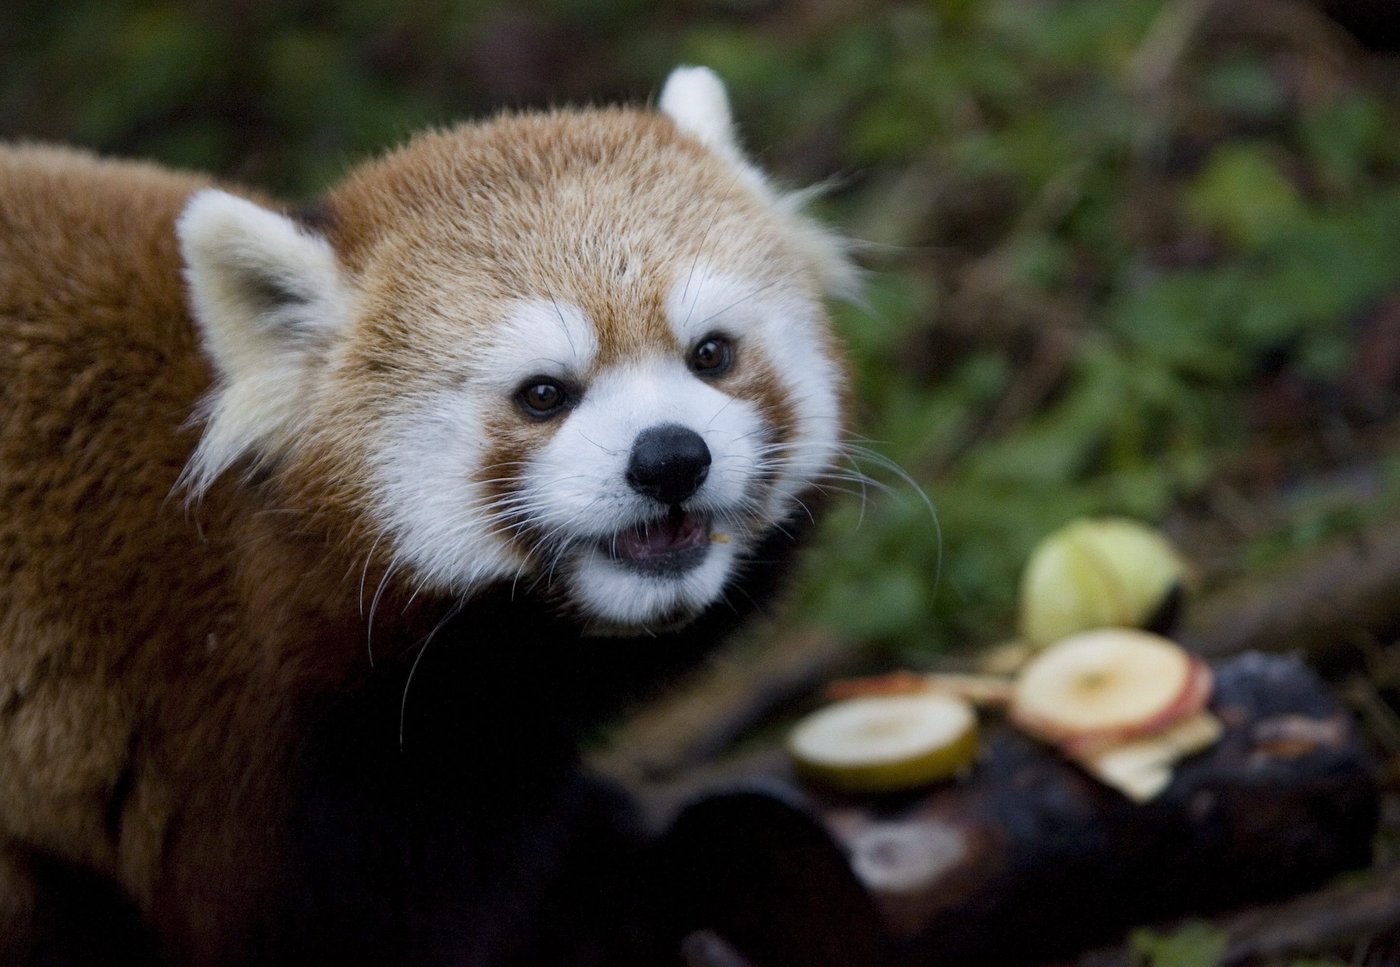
x=537 y=337
x=439 y=515
x=578 y=481
x=786 y=328
x=618 y=598
x=445 y=522
x=572 y=495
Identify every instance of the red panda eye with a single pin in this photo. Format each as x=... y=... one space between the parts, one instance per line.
x=542 y=397
x=712 y=356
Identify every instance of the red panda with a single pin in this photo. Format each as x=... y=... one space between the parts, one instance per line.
x=323 y=531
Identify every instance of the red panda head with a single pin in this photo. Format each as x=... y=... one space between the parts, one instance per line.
x=584 y=351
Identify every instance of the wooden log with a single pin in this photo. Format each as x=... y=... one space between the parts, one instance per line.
x=1319 y=604
x=1028 y=857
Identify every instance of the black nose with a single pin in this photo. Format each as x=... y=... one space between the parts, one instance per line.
x=668 y=463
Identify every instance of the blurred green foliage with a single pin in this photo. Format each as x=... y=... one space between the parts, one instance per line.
x=1194 y=944
x=1126 y=255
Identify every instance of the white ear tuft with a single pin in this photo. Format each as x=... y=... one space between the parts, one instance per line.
x=267 y=296
x=253 y=271
x=695 y=99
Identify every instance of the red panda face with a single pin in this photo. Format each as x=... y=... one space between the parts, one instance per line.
x=630 y=483
x=583 y=353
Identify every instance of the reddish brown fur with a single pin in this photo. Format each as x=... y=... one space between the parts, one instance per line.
x=146 y=649
x=663 y=183
x=98 y=374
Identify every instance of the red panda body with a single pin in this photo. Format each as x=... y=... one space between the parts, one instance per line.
x=303 y=592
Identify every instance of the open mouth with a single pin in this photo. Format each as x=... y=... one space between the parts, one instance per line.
x=667 y=545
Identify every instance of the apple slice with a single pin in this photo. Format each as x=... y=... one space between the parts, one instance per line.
x=885 y=743
x=1141 y=768
x=1193 y=699
x=1098 y=688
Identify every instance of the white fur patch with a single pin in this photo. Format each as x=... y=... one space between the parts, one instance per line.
x=267 y=295
x=538 y=337
x=578 y=484
x=440 y=517
x=788 y=330
x=572 y=495
x=617 y=598
x=445 y=525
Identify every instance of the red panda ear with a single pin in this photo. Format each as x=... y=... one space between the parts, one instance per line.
x=268 y=297
x=694 y=97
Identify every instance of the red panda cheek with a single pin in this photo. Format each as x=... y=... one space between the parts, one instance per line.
x=759 y=383
x=511 y=442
